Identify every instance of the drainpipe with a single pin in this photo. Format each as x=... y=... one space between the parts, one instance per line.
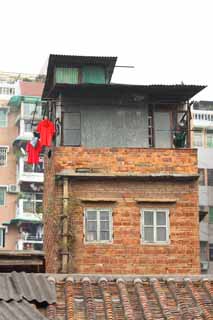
x=65 y=251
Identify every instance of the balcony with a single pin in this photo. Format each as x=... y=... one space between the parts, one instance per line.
x=30 y=208
x=202 y=119
x=29 y=173
x=129 y=162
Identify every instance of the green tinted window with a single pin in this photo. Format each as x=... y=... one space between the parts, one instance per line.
x=93 y=74
x=211 y=215
x=66 y=75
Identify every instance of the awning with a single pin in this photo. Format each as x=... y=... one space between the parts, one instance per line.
x=21 y=141
x=25 y=220
x=15 y=101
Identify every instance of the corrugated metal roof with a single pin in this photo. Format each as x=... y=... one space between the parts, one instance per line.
x=31 y=286
x=70 y=60
x=22 y=310
x=168 y=93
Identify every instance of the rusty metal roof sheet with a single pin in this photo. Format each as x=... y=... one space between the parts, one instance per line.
x=30 y=286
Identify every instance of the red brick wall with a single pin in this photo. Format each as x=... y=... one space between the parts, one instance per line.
x=126 y=254
x=131 y=160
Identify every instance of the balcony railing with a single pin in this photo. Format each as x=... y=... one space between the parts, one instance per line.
x=202 y=119
x=29 y=209
x=29 y=173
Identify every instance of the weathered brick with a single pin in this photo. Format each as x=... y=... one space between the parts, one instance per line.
x=126 y=254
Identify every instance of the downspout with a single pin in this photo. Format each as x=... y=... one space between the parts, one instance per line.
x=189 y=118
x=65 y=251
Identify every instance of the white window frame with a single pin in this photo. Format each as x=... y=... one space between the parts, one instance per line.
x=6 y=121
x=34 y=107
x=198 y=133
x=33 y=201
x=98 y=226
x=5 y=194
x=209 y=135
x=156 y=242
x=7 y=150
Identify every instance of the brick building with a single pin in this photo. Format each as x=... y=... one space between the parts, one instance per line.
x=120 y=191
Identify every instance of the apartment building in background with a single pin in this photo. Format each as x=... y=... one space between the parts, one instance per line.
x=123 y=179
x=202 y=139
x=20 y=188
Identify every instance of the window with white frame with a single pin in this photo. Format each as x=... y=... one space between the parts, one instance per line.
x=28 y=127
x=98 y=225
x=198 y=139
x=3 y=118
x=2 y=196
x=155 y=225
x=32 y=202
x=2 y=237
x=209 y=139
x=31 y=108
x=3 y=156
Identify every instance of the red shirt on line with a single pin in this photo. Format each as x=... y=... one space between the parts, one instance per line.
x=33 y=153
x=46 y=129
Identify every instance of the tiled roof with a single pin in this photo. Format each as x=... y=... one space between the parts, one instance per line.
x=110 y=297
x=28 y=88
x=136 y=298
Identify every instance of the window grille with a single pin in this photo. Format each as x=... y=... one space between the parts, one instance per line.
x=3 y=156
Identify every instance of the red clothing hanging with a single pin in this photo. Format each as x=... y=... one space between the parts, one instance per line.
x=46 y=129
x=33 y=153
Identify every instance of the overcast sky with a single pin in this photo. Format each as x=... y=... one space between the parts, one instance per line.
x=167 y=41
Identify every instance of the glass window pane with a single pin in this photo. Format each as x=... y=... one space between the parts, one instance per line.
x=3 y=118
x=161 y=218
x=149 y=234
x=28 y=206
x=2 y=196
x=91 y=236
x=161 y=234
x=198 y=139
x=91 y=226
x=210 y=140
x=104 y=215
x=104 y=235
x=91 y=215
x=104 y=225
x=148 y=218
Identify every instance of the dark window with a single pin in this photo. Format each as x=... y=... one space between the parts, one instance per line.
x=210 y=177
x=210 y=214
x=211 y=251
x=201 y=177
x=72 y=129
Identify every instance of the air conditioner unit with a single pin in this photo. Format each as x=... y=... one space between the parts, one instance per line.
x=13 y=188
x=204 y=265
